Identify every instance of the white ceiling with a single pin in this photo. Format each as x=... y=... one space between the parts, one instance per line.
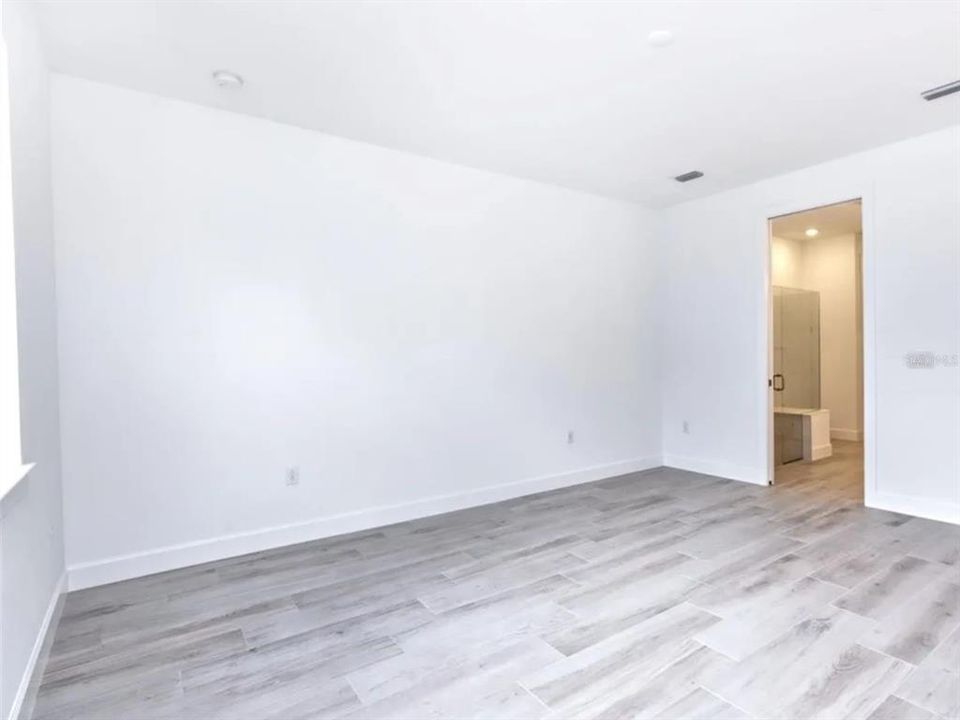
x=830 y=221
x=563 y=92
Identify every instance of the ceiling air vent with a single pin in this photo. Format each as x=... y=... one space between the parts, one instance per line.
x=939 y=92
x=688 y=176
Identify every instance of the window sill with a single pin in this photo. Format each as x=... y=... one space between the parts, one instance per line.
x=10 y=478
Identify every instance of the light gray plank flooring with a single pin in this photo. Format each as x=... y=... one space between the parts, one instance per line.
x=664 y=594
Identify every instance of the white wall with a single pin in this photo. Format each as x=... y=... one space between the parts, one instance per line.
x=786 y=262
x=714 y=356
x=830 y=266
x=238 y=296
x=31 y=527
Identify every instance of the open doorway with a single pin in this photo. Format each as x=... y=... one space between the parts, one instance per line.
x=816 y=348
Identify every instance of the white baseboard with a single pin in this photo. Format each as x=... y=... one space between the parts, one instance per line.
x=821 y=451
x=846 y=434
x=917 y=506
x=124 y=567
x=728 y=471
x=26 y=690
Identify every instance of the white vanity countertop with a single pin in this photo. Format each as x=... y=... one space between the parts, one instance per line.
x=798 y=411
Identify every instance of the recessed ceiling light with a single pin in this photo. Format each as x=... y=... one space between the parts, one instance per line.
x=812 y=232
x=227 y=79
x=660 y=38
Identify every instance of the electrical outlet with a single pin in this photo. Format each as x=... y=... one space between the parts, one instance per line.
x=293 y=476
x=686 y=428
x=570 y=437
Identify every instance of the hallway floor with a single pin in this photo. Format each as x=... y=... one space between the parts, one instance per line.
x=665 y=594
x=838 y=477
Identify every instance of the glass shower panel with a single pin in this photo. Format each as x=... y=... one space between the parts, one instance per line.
x=796 y=347
x=788 y=438
x=796 y=366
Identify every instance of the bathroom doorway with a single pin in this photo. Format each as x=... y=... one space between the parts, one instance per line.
x=816 y=346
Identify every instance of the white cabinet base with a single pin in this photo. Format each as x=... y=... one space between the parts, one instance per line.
x=816 y=431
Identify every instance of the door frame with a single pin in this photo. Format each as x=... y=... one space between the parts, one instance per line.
x=808 y=201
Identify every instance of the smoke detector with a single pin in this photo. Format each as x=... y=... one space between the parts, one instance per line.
x=228 y=80
x=660 y=38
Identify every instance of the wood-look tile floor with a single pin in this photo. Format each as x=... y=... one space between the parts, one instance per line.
x=665 y=594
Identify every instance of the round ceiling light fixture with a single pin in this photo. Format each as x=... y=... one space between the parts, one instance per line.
x=660 y=38
x=812 y=232
x=227 y=79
